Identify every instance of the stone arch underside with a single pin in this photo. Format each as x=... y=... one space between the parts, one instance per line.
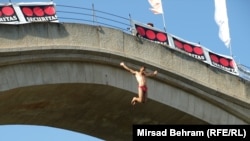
x=97 y=110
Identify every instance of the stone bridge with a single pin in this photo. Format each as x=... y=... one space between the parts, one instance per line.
x=68 y=76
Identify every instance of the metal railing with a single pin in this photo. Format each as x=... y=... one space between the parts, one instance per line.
x=91 y=16
x=244 y=71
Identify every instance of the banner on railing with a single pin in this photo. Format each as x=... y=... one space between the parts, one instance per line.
x=150 y=33
x=21 y=13
x=8 y=14
x=193 y=50
x=223 y=62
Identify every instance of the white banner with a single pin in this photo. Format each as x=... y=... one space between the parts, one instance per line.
x=221 y=19
x=156 y=6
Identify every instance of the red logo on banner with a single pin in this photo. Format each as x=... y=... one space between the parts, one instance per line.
x=7 y=11
x=152 y=35
x=39 y=13
x=7 y=14
x=192 y=50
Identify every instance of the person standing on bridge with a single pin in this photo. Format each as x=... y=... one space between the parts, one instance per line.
x=142 y=85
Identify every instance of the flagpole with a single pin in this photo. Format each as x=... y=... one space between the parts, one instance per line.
x=164 y=23
x=163 y=18
x=230 y=47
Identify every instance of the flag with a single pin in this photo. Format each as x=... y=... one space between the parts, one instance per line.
x=156 y=6
x=221 y=19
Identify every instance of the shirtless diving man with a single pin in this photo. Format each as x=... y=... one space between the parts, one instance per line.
x=142 y=84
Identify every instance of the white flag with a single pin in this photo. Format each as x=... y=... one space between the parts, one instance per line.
x=156 y=6
x=221 y=19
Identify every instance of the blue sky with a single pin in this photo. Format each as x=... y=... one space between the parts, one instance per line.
x=192 y=20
